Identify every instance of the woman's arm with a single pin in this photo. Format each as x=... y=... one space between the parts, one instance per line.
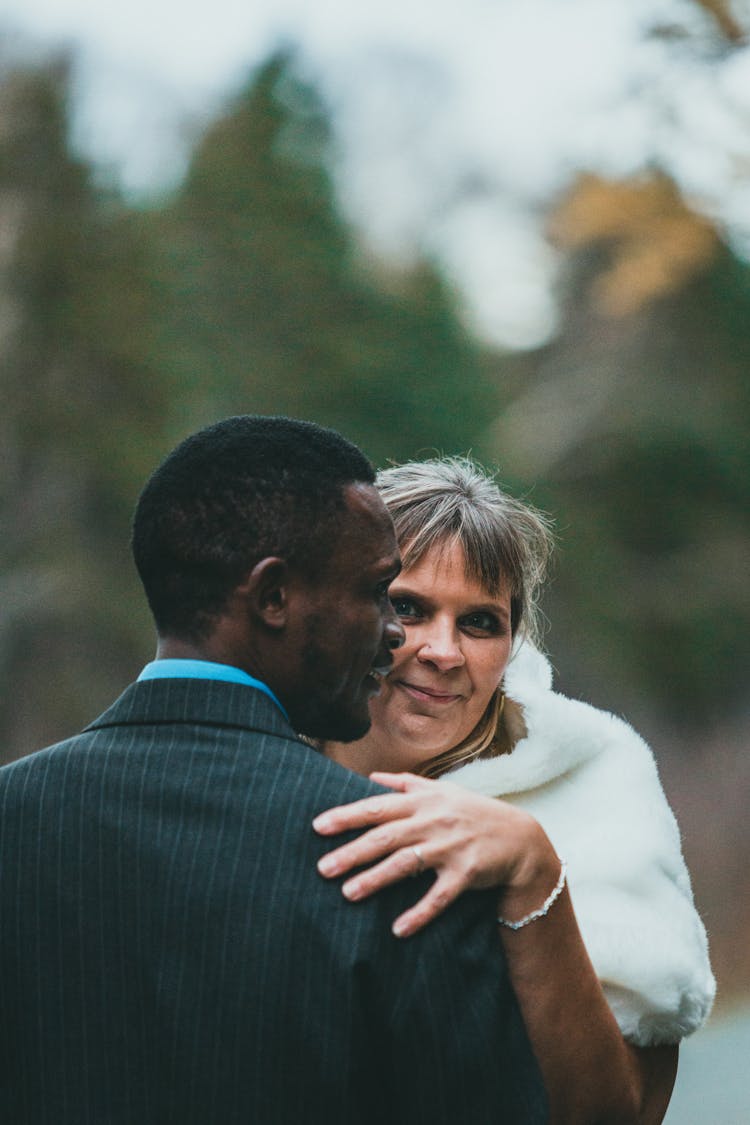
x=591 y=1073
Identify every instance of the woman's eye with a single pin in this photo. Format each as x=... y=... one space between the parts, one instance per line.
x=485 y=623
x=404 y=607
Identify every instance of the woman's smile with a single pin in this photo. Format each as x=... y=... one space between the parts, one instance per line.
x=434 y=695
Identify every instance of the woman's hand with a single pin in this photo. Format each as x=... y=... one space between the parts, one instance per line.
x=590 y=1072
x=467 y=839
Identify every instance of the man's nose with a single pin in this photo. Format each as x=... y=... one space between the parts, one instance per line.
x=394 y=633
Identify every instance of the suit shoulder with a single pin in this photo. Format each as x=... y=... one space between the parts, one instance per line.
x=46 y=756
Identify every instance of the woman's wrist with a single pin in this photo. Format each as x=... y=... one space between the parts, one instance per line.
x=534 y=878
x=543 y=909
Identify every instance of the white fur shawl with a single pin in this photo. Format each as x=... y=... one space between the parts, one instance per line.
x=592 y=783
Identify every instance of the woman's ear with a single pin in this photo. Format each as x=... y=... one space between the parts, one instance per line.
x=265 y=590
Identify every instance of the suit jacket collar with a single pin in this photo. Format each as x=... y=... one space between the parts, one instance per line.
x=201 y=702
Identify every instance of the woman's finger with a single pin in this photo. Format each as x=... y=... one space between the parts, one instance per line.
x=385 y=839
x=360 y=814
x=410 y=860
x=441 y=894
x=403 y=782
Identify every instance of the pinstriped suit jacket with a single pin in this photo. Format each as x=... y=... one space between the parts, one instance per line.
x=169 y=954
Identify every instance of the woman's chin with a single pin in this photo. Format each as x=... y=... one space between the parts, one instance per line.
x=415 y=745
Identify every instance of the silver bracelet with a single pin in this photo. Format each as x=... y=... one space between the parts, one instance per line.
x=544 y=908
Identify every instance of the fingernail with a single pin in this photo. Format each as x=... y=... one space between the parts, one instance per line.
x=400 y=928
x=321 y=823
x=327 y=865
x=352 y=891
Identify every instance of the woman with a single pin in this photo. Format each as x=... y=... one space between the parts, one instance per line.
x=608 y=990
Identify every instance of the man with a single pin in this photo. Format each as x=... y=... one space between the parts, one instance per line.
x=168 y=952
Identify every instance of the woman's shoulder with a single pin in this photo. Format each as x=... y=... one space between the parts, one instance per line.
x=558 y=736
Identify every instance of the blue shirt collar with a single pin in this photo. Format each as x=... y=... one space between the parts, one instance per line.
x=173 y=669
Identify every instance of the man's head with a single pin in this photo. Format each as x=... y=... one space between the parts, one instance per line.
x=262 y=542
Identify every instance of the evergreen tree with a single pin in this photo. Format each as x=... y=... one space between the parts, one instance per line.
x=80 y=419
x=277 y=308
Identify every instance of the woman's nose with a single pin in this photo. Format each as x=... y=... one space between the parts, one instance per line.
x=441 y=646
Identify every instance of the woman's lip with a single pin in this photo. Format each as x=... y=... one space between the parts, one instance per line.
x=427 y=693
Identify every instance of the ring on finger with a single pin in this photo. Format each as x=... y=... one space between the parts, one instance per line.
x=420 y=860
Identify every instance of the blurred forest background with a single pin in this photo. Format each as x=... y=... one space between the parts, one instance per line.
x=124 y=326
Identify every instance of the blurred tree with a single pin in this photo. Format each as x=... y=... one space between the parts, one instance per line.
x=634 y=429
x=276 y=307
x=655 y=243
x=77 y=414
x=729 y=26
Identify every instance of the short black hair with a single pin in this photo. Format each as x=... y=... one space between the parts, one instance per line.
x=236 y=492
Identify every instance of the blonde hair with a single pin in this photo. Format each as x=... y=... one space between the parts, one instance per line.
x=506 y=542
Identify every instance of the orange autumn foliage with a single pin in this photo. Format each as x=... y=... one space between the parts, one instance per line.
x=656 y=243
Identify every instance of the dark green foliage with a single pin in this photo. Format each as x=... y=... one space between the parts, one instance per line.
x=275 y=307
x=78 y=411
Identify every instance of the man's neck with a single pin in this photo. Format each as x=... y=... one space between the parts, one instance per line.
x=174 y=648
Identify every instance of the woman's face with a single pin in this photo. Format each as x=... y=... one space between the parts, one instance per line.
x=457 y=646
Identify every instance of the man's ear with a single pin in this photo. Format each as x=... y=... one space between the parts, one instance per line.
x=266 y=593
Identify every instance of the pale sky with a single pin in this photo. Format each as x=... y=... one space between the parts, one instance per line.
x=430 y=99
